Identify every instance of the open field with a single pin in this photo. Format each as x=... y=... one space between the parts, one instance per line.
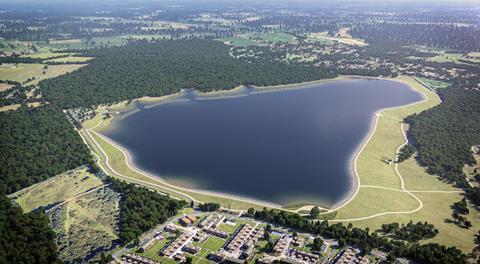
x=450 y=57
x=433 y=84
x=257 y=39
x=277 y=37
x=343 y=37
x=24 y=71
x=56 y=189
x=239 y=41
x=45 y=55
x=9 y=107
x=436 y=197
x=71 y=59
x=5 y=87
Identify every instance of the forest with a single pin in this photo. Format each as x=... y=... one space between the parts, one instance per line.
x=363 y=238
x=443 y=135
x=463 y=38
x=37 y=144
x=166 y=67
x=141 y=209
x=25 y=238
x=410 y=232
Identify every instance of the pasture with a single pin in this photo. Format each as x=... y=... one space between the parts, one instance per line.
x=32 y=73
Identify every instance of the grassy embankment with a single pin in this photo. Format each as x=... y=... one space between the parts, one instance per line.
x=373 y=171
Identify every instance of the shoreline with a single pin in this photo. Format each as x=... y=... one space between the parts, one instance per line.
x=131 y=165
x=363 y=144
x=225 y=94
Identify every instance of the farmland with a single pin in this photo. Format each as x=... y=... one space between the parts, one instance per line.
x=32 y=73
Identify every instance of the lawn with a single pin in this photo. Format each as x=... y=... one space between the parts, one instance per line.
x=213 y=243
x=228 y=228
x=152 y=253
x=56 y=189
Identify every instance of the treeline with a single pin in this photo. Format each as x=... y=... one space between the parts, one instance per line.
x=363 y=238
x=166 y=67
x=25 y=238
x=209 y=207
x=450 y=36
x=410 y=232
x=405 y=153
x=36 y=144
x=141 y=209
x=444 y=134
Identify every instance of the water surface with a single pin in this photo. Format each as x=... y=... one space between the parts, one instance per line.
x=283 y=147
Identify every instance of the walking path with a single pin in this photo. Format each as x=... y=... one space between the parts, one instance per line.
x=76 y=197
x=402 y=189
x=175 y=189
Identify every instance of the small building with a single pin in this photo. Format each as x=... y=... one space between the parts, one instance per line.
x=170 y=228
x=185 y=221
x=179 y=257
x=216 y=256
x=230 y=260
x=266 y=259
x=290 y=261
x=246 y=254
x=190 y=248
x=281 y=245
x=148 y=244
x=216 y=232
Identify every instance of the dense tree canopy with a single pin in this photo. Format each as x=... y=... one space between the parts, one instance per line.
x=141 y=209
x=410 y=232
x=166 y=67
x=25 y=238
x=464 y=38
x=444 y=134
x=405 y=153
x=209 y=207
x=37 y=144
x=427 y=253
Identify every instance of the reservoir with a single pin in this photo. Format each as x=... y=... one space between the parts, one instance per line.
x=289 y=146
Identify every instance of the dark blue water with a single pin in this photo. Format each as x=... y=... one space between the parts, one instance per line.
x=282 y=147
